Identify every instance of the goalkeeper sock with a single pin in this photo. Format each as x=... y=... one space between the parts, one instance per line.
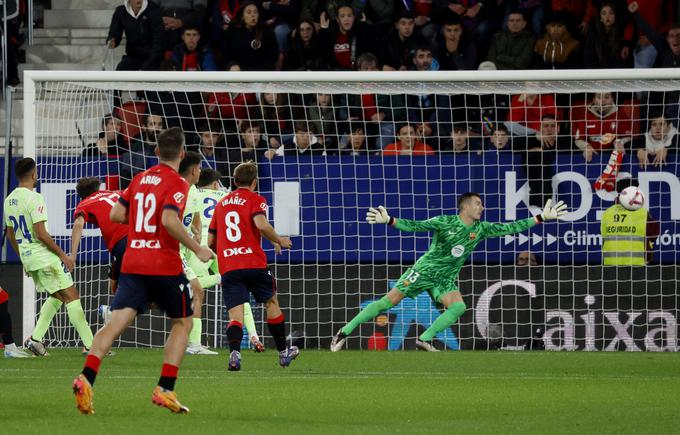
x=76 y=316
x=91 y=368
x=248 y=321
x=47 y=312
x=371 y=310
x=234 y=335
x=168 y=377
x=196 y=331
x=445 y=319
x=277 y=328
x=209 y=281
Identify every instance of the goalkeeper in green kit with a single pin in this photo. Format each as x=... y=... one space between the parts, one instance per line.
x=455 y=237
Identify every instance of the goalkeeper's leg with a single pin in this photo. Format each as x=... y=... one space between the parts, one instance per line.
x=455 y=307
x=392 y=298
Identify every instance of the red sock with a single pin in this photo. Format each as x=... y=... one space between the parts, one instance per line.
x=168 y=376
x=91 y=368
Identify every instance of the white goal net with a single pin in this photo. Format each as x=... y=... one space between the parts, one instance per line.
x=329 y=145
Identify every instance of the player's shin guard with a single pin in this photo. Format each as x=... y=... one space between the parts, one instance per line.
x=368 y=313
x=77 y=317
x=91 y=368
x=235 y=335
x=445 y=320
x=209 y=281
x=277 y=328
x=47 y=312
x=249 y=321
x=168 y=377
x=196 y=331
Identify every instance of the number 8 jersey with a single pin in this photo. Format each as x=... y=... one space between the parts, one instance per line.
x=238 y=244
x=151 y=250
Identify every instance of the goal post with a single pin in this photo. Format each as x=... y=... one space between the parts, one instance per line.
x=443 y=124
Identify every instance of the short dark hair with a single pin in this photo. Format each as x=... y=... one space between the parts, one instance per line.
x=405 y=14
x=548 y=116
x=24 y=167
x=208 y=176
x=356 y=126
x=248 y=125
x=462 y=199
x=245 y=173
x=190 y=26
x=368 y=58
x=501 y=127
x=87 y=186
x=147 y=115
x=302 y=126
x=452 y=19
x=460 y=126
x=191 y=158
x=170 y=143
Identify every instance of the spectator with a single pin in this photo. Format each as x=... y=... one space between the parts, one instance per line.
x=659 y=14
x=376 y=110
x=527 y=111
x=278 y=122
x=513 y=47
x=557 y=49
x=456 y=50
x=322 y=117
x=425 y=24
x=532 y=10
x=110 y=141
x=140 y=21
x=605 y=47
x=461 y=140
x=177 y=14
x=539 y=159
x=304 y=142
x=249 y=145
x=603 y=126
x=231 y=107
x=283 y=16
x=211 y=144
x=224 y=12
x=400 y=43
x=652 y=147
x=345 y=38
x=12 y=21
x=578 y=14
x=249 y=41
x=407 y=145
x=499 y=140
x=423 y=60
x=312 y=9
x=357 y=142
x=305 y=50
x=668 y=49
x=190 y=55
x=379 y=14
x=142 y=148
x=475 y=17
x=526 y=258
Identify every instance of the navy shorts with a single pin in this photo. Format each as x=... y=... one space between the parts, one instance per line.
x=172 y=294
x=238 y=284
x=117 y=258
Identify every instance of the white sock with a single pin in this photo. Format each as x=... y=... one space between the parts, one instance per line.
x=11 y=347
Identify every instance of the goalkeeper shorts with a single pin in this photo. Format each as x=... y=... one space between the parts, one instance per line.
x=412 y=283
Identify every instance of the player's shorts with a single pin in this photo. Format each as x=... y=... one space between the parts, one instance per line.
x=52 y=278
x=412 y=283
x=238 y=284
x=172 y=294
x=117 y=253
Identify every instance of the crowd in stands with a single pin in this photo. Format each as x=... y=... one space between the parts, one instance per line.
x=421 y=35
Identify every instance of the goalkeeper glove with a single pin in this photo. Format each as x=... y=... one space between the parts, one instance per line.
x=377 y=216
x=551 y=211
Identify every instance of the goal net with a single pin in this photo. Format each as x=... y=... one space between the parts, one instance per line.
x=329 y=145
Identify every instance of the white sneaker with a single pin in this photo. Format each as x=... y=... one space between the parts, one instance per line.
x=12 y=351
x=198 y=349
x=426 y=345
x=338 y=341
x=105 y=313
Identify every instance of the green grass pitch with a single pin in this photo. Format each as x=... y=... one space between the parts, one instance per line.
x=354 y=392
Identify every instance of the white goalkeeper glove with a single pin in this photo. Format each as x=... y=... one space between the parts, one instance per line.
x=552 y=211
x=377 y=216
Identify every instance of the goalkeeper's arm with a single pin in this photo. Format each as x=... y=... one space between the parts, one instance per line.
x=550 y=212
x=379 y=216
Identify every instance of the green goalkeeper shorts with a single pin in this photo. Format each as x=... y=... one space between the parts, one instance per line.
x=185 y=253
x=412 y=283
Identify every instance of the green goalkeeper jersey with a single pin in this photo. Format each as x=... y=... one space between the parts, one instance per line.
x=453 y=241
x=207 y=200
x=23 y=208
x=191 y=207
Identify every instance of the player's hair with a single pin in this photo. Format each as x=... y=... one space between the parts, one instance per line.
x=208 y=176
x=148 y=115
x=245 y=173
x=191 y=158
x=626 y=182
x=170 y=143
x=24 y=167
x=87 y=186
x=462 y=199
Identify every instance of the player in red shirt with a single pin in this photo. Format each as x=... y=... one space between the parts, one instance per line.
x=152 y=269
x=95 y=208
x=237 y=223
